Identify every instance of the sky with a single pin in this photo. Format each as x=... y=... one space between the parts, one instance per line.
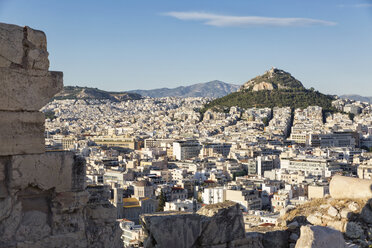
x=121 y=45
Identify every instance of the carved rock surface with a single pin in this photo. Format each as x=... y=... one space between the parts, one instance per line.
x=44 y=201
x=27 y=90
x=45 y=171
x=23 y=47
x=21 y=133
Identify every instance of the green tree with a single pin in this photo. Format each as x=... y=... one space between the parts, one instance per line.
x=50 y=115
x=351 y=116
x=162 y=200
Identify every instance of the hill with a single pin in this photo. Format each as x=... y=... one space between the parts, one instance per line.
x=210 y=89
x=274 y=88
x=76 y=92
x=358 y=98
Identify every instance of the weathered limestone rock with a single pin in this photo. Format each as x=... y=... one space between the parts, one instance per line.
x=263 y=86
x=356 y=188
x=253 y=240
x=353 y=206
x=11 y=46
x=44 y=201
x=45 y=171
x=366 y=213
x=223 y=224
x=27 y=90
x=315 y=220
x=21 y=133
x=34 y=226
x=102 y=229
x=5 y=207
x=172 y=230
x=345 y=213
x=320 y=237
x=213 y=225
x=9 y=225
x=277 y=239
x=293 y=225
x=337 y=225
x=353 y=230
x=22 y=48
x=107 y=213
x=332 y=211
x=69 y=201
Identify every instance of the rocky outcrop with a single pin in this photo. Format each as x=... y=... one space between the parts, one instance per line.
x=320 y=237
x=44 y=201
x=216 y=225
x=213 y=225
x=272 y=79
x=263 y=86
x=351 y=217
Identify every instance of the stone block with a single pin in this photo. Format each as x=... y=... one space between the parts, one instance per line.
x=21 y=133
x=11 y=45
x=23 y=47
x=28 y=90
x=51 y=170
x=356 y=188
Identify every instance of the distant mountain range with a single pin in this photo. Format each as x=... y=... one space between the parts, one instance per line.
x=273 y=88
x=358 y=98
x=210 y=89
x=76 y=92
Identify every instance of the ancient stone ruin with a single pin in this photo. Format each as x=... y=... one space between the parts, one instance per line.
x=44 y=201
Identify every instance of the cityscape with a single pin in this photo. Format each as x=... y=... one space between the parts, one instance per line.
x=208 y=124
x=164 y=154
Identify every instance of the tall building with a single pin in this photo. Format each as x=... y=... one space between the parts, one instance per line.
x=186 y=149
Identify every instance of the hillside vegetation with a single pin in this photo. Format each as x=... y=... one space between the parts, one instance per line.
x=274 y=88
x=76 y=92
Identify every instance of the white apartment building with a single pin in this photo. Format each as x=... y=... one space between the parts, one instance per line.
x=186 y=149
x=213 y=195
x=181 y=205
x=132 y=234
x=309 y=165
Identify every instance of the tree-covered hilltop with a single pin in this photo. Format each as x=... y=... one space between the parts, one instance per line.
x=286 y=92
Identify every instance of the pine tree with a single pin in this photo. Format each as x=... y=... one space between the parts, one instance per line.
x=162 y=200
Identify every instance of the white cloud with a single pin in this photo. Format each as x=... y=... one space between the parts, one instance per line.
x=358 y=5
x=363 y=5
x=245 y=21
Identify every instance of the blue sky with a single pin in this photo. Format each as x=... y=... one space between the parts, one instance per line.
x=122 y=45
